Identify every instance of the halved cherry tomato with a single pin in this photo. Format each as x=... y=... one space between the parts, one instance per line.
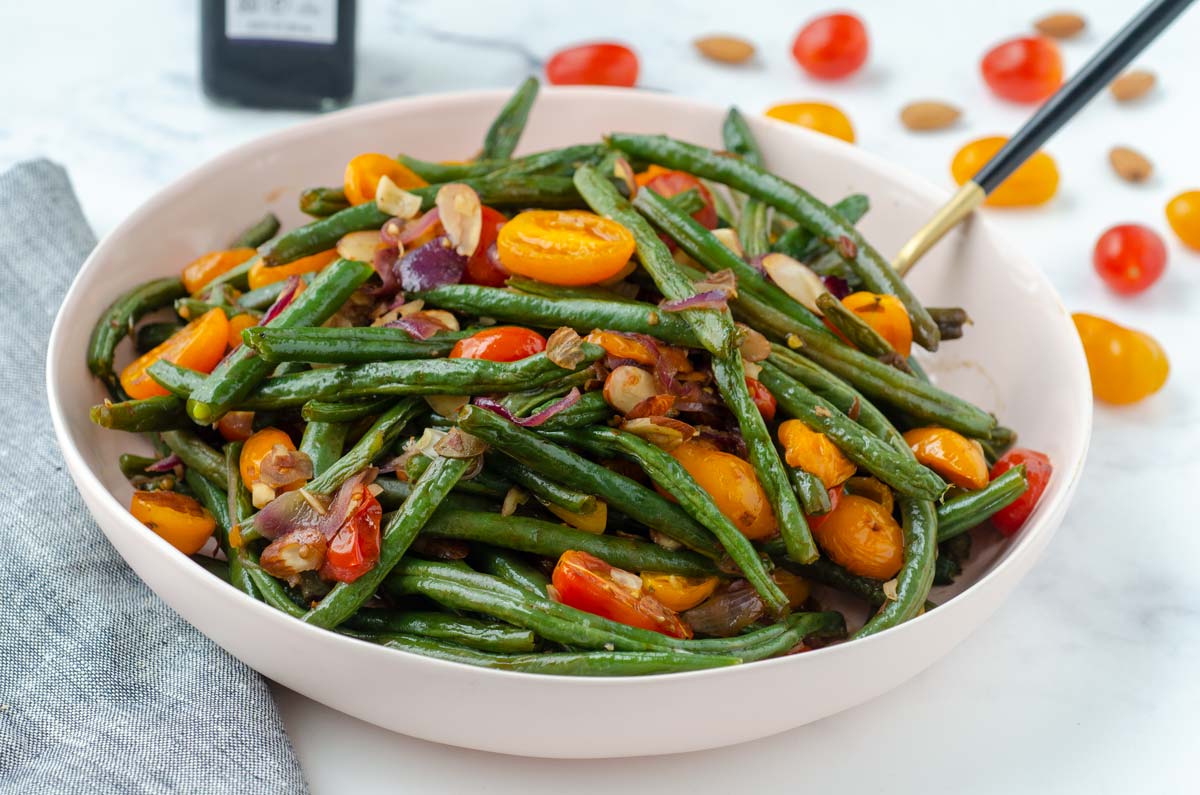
x=207 y=267
x=184 y=523
x=1034 y=182
x=1130 y=258
x=678 y=592
x=256 y=448
x=953 y=456
x=238 y=324
x=819 y=116
x=1183 y=214
x=815 y=453
x=1125 y=365
x=482 y=268
x=354 y=549
x=1024 y=69
x=236 y=426
x=260 y=275
x=600 y=64
x=499 y=344
x=668 y=183
x=832 y=46
x=835 y=499
x=794 y=587
x=1008 y=520
x=197 y=346
x=364 y=172
x=732 y=484
x=862 y=537
x=587 y=583
x=565 y=247
x=623 y=347
x=762 y=397
x=886 y=315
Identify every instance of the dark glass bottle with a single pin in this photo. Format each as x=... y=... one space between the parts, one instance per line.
x=278 y=53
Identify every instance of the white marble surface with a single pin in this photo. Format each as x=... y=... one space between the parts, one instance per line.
x=1085 y=681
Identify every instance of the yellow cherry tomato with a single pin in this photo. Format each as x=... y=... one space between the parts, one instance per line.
x=197 y=346
x=953 y=456
x=207 y=267
x=886 y=315
x=238 y=324
x=364 y=172
x=260 y=275
x=817 y=116
x=566 y=247
x=1125 y=365
x=677 y=591
x=1034 y=182
x=862 y=537
x=256 y=448
x=732 y=484
x=1183 y=214
x=794 y=587
x=184 y=523
x=814 y=453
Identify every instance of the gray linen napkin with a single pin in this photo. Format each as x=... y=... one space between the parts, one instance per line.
x=102 y=687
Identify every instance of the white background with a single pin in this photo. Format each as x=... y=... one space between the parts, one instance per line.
x=1086 y=679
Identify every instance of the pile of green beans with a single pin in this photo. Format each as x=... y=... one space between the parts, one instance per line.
x=441 y=499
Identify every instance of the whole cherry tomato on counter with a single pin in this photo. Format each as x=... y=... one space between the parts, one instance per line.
x=832 y=46
x=500 y=344
x=818 y=116
x=587 y=583
x=1034 y=182
x=1125 y=365
x=1008 y=520
x=1130 y=258
x=1183 y=214
x=1025 y=69
x=599 y=64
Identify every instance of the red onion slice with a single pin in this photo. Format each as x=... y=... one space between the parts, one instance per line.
x=837 y=286
x=726 y=614
x=534 y=420
x=431 y=265
x=418 y=226
x=291 y=289
x=165 y=464
x=418 y=326
x=385 y=265
x=287 y=512
x=709 y=299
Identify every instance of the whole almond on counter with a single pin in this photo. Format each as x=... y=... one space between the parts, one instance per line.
x=1132 y=85
x=726 y=49
x=1062 y=25
x=928 y=114
x=1130 y=165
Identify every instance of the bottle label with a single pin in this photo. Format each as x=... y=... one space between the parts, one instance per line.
x=308 y=21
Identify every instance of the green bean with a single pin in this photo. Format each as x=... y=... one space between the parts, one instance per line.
x=997 y=443
x=344 y=410
x=346 y=345
x=916 y=575
x=471 y=632
x=753 y=227
x=590 y=409
x=864 y=449
x=688 y=202
x=800 y=244
x=805 y=209
x=192 y=308
x=776 y=639
x=812 y=492
x=217 y=568
x=510 y=567
x=439 y=173
x=671 y=476
x=151 y=335
x=237 y=277
x=145 y=415
x=859 y=332
x=382 y=433
x=117 y=321
x=393 y=491
x=583 y=315
x=322 y=442
x=827 y=572
x=195 y=454
x=959 y=514
x=575 y=663
x=482 y=484
x=950 y=321
x=261 y=298
x=258 y=233
x=548 y=490
x=549 y=160
x=505 y=132
x=551 y=540
x=214 y=499
x=579 y=473
x=323 y=202
x=398 y=534
x=242 y=370
x=133 y=465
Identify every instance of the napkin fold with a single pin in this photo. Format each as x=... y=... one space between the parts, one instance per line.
x=103 y=688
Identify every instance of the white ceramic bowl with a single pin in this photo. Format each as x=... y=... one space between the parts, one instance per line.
x=1021 y=359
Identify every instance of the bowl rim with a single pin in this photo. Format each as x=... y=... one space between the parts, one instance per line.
x=1048 y=514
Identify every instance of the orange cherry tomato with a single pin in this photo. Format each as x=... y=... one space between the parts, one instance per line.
x=835 y=499
x=819 y=116
x=1034 y=182
x=499 y=344
x=1008 y=520
x=832 y=47
x=484 y=267
x=1183 y=214
x=260 y=275
x=732 y=484
x=668 y=183
x=184 y=523
x=354 y=548
x=862 y=537
x=207 y=267
x=564 y=247
x=364 y=172
x=236 y=426
x=1125 y=365
x=815 y=453
x=622 y=347
x=238 y=324
x=953 y=456
x=256 y=449
x=1025 y=69
x=198 y=346
x=587 y=583
x=762 y=397
x=599 y=64
x=794 y=587
x=676 y=591
x=886 y=315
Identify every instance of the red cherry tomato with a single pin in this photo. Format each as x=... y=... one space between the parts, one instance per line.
x=832 y=46
x=354 y=549
x=500 y=344
x=671 y=183
x=484 y=265
x=589 y=584
x=1026 y=69
x=1130 y=258
x=762 y=397
x=1037 y=471
x=835 y=498
x=600 y=64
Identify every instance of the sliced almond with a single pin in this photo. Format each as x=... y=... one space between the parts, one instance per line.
x=441 y=317
x=662 y=432
x=794 y=278
x=928 y=114
x=565 y=348
x=627 y=386
x=446 y=406
x=753 y=346
x=752 y=369
x=1132 y=85
x=459 y=444
x=359 y=246
x=726 y=49
x=461 y=215
x=1130 y=165
x=1061 y=25
x=624 y=172
x=729 y=238
x=394 y=200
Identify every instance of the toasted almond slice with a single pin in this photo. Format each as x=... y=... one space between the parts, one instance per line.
x=753 y=346
x=446 y=406
x=1132 y=85
x=797 y=280
x=394 y=200
x=359 y=246
x=663 y=432
x=928 y=114
x=627 y=386
x=442 y=317
x=1130 y=165
x=461 y=215
x=1060 y=25
x=729 y=239
x=725 y=48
